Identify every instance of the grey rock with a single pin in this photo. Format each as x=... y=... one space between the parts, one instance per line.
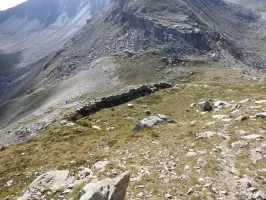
x=242 y=118
x=100 y=165
x=9 y=183
x=261 y=115
x=221 y=104
x=190 y=191
x=150 y=121
x=259 y=195
x=107 y=189
x=239 y=144
x=84 y=173
x=147 y=112
x=205 y=106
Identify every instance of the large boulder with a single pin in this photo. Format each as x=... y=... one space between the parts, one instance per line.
x=150 y=121
x=107 y=189
x=53 y=181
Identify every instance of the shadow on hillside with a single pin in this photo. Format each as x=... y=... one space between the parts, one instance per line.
x=8 y=62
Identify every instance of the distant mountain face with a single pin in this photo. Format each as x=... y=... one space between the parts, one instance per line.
x=45 y=13
x=32 y=32
x=258 y=5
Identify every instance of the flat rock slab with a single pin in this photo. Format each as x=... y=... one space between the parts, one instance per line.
x=261 y=115
x=220 y=116
x=251 y=137
x=260 y=102
x=150 y=121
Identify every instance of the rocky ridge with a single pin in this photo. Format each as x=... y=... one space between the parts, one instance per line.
x=118 y=99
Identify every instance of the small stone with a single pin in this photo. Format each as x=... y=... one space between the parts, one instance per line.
x=240 y=132
x=193 y=105
x=242 y=118
x=96 y=127
x=147 y=112
x=201 y=163
x=221 y=104
x=84 y=172
x=259 y=195
x=130 y=105
x=9 y=183
x=244 y=100
x=253 y=190
x=210 y=123
x=251 y=137
x=233 y=171
x=223 y=192
x=220 y=116
x=168 y=196
x=100 y=165
x=205 y=106
x=235 y=107
x=70 y=186
x=72 y=162
x=190 y=191
x=140 y=195
x=207 y=134
x=261 y=115
x=260 y=102
x=110 y=128
x=239 y=144
x=191 y=154
x=201 y=180
x=67 y=191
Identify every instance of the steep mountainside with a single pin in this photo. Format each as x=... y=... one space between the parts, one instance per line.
x=176 y=28
x=31 y=32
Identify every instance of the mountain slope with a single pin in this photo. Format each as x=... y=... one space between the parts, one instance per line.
x=213 y=53
x=32 y=31
x=132 y=33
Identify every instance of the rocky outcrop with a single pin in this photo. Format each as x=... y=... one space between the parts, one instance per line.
x=117 y=99
x=107 y=189
x=59 y=183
